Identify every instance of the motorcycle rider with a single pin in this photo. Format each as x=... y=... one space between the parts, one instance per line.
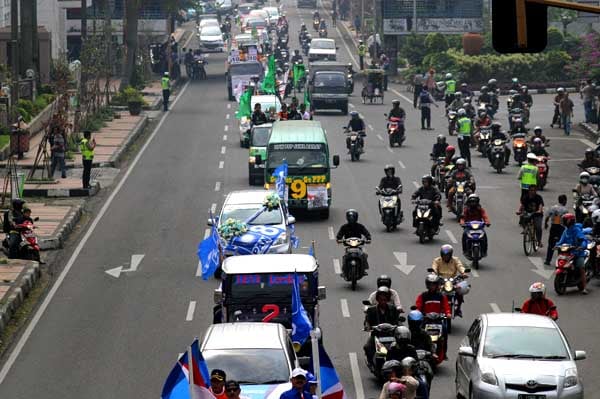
x=356 y=124
x=518 y=127
x=525 y=97
x=460 y=173
x=450 y=84
x=538 y=303
x=484 y=96
x=391 y=371
x=469 y=108
x=515 y=84
x=11 y=220
x=438 y=151
x=537 y=134
x=393 y=182
x=386 y=281
x=448 y=266
x=493 y=86
x=556 y=229
x=418 y=337
x=297 y=57
x=402 y=347
x=429 y=192
x=188 y=60
x=560 y=94
x=533 y=203
x=583 y=188
x=434 y=301
x=323 y=24
x=353 y=229
x=383 y=312
x=464 y=90
x=457 y=102
x=397 y=111
x=528 y=174
x=498 y=134
x=573 y=235
x=482 y=120
x=465 y=130
x=409 y=365
x=538 y=148
x=590 y=160
x=474 y=212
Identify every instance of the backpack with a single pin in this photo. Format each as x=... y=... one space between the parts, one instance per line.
x=424 y=97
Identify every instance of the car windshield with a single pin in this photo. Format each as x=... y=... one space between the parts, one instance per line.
x=247 y=68
x=250 y=366
x=245 y=211
x=524 y=342
x=322 y=44
x=256 y=23
x=245 y=9
x=273 y=12
x=210 y=31
x=260 y=136
x=330 y=82
x=299 y=159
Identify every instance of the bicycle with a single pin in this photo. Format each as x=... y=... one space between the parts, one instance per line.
x=530 y=242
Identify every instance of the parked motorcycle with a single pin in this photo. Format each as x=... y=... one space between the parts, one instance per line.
x=542 y=165
x=424 y=220
x=396 y=132
x=485 y=133
x=354 y=261
x=475 y=235
x=497 y=154
x=355 y=143
x=21 y=242
x=566 y=274
x=520 y=148
x=389 y=207
x=383 y=335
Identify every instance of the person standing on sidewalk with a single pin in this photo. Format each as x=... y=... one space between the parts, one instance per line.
x=87 y=146
x=165 y=83
x=58 y=143
x=566 y=113
x=424 y=102
x=587 y=95
x=556 y=229
x=417 y=87
x=362 y=51
x=357 y=24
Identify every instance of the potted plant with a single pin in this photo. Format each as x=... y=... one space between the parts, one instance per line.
x=134 y=100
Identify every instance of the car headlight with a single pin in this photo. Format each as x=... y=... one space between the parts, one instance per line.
x=571 y=378
x=489 y=377
x=281 y=239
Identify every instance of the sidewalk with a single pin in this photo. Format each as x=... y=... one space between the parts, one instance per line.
x=17 y=279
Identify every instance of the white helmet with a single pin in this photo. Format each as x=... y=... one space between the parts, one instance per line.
x=596 y=216
x=463 y=287
x=537 y=287
x=462 y=112
x=560 y=90
x=584 y=177
x=531 y=156
x=448 y=76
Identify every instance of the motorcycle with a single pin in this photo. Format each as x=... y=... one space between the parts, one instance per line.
x=484 y=140
x=355 y=260
x=520 y=148
x=461 y=192
x=396 y=130
x=424 y=370
x=198 y=70
x=513 y=115
x=566 y=275
x=497 y=155
x=355 y=143
x=451 y=122
x=350 y=77
x=542 y=165
x=439 y=91
x=475 y=234
x=383 y=335
x=316 y=23
x=424 y=220
x=439 y=172
x=322 y=32
x=21 y=242
x=581 y=205
x=433 y=325
x=306 y=45
x=389 y=209
x=450 y=287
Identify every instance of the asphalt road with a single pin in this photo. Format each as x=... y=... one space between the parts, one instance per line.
x=98 y=336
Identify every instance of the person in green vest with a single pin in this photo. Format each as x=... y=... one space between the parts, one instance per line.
x=86 y=146
x=450 y=88
x=528 y=174
x=362 y=51
x=465 y=130
x=165 y=83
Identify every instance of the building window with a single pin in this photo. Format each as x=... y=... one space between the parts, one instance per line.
x=74 y=13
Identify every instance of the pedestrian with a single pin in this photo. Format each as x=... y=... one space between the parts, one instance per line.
x=587 y=95
x=384 y=61
x=233 y=390
x=357 y=24
x=165 y=83
x=333 y=17
x=298 y=381
x=430 y=80
x=58 y=145
x=217 y=384
x=556 y=228
x=362 y=51
x=566 y=113
x=417 y=87
x=425 y=101
x=86 y=146
x=560 y=92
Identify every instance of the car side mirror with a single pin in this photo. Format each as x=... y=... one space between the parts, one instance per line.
x=466 y=351
x=218 y=296
x=258 y=160
x=291 y=220
x=580 y=355
x=336 y=160
x=210 y=222
x=322 y=292
x=366 y=302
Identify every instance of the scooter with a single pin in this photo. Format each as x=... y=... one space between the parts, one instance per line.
x=355 y=143
x=484 y=140
x=389 y=208
x=424 y=370
x=497 y=154
x=383 y=335
x=475 y=234
x=451 y=122
x=395 y=130
x=461 y=193
x=21 y=242
x=424 y=221
x=198 y=70
x=433 y=325
x=542 y=165
x=354 y=261
x=566 y=275
x=520 y=148
x=581 y=205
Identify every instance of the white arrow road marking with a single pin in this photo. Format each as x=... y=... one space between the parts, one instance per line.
x=588 y=143
x=371 y=127
x=226 y=128
x=190 y=312
x=495 y=308
x=331 y=233
x=133 y=266
x=540 y=267
x=390 y=150
x=228 y=106
x=358 y=386
x=345 y=309
x=450 y=235
x=336 y=266
x=403 y=266
x=401 y=164
x=351 y=105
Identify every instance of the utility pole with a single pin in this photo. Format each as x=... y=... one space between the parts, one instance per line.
x=35 y=45
x=362 y=19
x=26 y=43
x=83 y=80
x=414 y=21
x=14 y=49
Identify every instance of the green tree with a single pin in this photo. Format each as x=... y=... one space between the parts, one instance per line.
x=413 y=49
x=555 y=38
x=436 y=43
x=132 y=9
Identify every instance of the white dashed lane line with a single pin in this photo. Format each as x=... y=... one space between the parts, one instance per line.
x=218 y=186
x=223 y=149
x=390 y=150
x=451 y=237
x=221 y=164
x=345 y=309
x=331 y=233
x=190 y=312
x=228 y=106
x=213 y=208
x=226 y=128
x=371 y=127
x=227 y=116
x=224 y=137
x=379 y=137
x=401 y=164
x=336 y=266
x=358 y=386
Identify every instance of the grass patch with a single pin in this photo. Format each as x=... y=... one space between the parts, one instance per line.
x=4 y=141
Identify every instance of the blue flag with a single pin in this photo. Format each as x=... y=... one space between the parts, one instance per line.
x=301 y=324
x=209 y=253
x=293 y=237
x=311 y=250
x=280 y=173
x=177 y=385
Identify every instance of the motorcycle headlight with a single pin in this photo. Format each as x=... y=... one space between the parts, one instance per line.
x=475 y=226
x=571 y=378
x=489 y=377
x=448 y=286
x=426 y=214
x=460 y=189
x=251 y=159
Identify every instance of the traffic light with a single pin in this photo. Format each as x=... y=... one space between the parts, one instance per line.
x=519 y=26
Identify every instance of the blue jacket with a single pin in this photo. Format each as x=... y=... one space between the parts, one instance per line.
x=295 y=394
x=574 y=236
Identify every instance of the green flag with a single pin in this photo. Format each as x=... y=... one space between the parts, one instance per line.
x=307 y=99
x=245 y=109
x=268 y=84
x=299 y=73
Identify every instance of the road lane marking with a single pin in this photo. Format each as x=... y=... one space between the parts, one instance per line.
x=61 y=277
x=336 y=266
x=199 y=269
x=401 y=164
x=218 y=186
x=588 y=143
x=390 y=150
x=331 y=233
x=351 y=105
x=380 y=137
x=227 y=116
x=224 y=137
x=495 y=307
x=190 y=312
x=451 y=237
x=213 y=208
x=371 y=127
x=228 y=106
x=223 y=149
x=226 y=128
x=221 y=164
x=416 y=184
x=402 y=96
x=345 y=309
x=358 y=386
x=206 y=233
x=540 y=268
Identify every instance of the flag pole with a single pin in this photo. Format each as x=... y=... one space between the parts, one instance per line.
x=314 y=341
x=190 y=370
x=313 y=249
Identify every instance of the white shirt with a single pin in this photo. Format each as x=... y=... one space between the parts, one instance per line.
x=395 y=298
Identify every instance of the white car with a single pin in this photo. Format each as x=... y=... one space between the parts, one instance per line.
x=273 y=14
x=211 y=39
x=322 y=50
x=208 y=22
x=259 y=14
x=225 y=5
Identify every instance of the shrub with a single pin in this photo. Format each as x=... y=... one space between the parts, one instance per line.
x=24 y=114
x=26 y=105
x=555 y=38
x=439 y=61
x=435 y=43
x=413 y=49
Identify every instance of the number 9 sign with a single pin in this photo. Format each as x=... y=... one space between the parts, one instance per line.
x=298 y=189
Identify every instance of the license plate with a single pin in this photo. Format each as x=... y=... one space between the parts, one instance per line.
x=529 y=396
x=330 y=101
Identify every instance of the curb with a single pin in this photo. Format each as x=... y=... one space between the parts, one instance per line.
x=18 y=292
x=589 y=129
x=133 y=135
x=67 y=225
x=62 y=192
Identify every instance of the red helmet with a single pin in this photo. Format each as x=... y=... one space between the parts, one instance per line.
x=450 y=150
x=568 y=219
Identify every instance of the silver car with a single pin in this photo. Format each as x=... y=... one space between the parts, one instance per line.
x=517 y=356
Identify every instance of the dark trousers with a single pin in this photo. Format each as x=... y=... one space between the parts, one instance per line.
x=556 y=231
x=87 y=171
x=166 y=95
x=361 y=59
x=464 y=145
x=425 y=117
x=556 y=117
x=416 y=94
x=60 y=162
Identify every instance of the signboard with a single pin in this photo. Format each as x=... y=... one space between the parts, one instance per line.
x=586 y=16
x=395 y=26
x=449 y=25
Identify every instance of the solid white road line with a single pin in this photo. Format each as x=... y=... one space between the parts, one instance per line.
x=206 y=233
x=227 y=116
x=336 y=266
x=190 y=312
x=224 y=137
x=61 y=277
x=453 y=239
x=344 y=306
x=199 y=270
x=495 y=307
x=218 y=186
x=331 y=233
x=402 y=96
x=223 y=149
x=588 y=143
x=213 y=208
x=358 y=386
x=380 y=137
x=221 y=164
x=416 y=184
x=226 y=128
x=401 y=164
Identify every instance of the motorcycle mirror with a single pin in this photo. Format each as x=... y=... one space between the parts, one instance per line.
x=518 y=310
x=430 y=270
x=413 y=307
x=385 y=115
x=366 y=302
x=36 y=219
x=467 y=270
x=336 y=160
x=210 y=222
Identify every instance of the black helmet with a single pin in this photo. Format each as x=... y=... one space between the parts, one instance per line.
x=496 y=125
x=484 y=89
x=427 y=178
x=351 y=215
x=446 y=249
x=17 y=204
x=402 y=334
x=389 y=168
x=296 y=51
x=389 y=366
x=384 y=281
x=432 y=279
x=589 y=152
x=441 y=139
